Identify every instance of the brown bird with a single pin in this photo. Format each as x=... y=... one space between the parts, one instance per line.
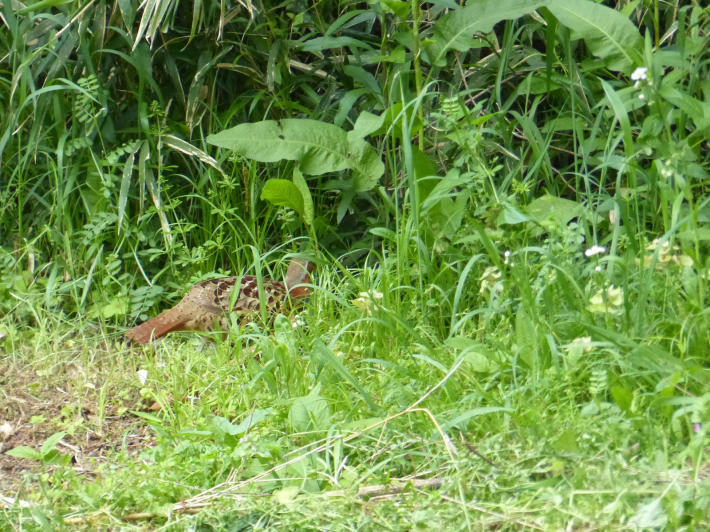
x=206 y=306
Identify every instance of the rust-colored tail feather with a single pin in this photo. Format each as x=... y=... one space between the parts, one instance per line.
x=157 y=327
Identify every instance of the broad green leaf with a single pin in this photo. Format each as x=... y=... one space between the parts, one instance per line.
x=396 y=7
x=384 y=233
x=398 y=55
x=445 y=205
x=128 y=12
x=366 y=79
x=305 y=193
x=623 y=397
x=154 y=420
x=650 y=515
x=566 y=442
x=447 y=215
x=318 y=147
x=283 y=193
x=292 y=194
x=608 y=34
x=560 y=210
x=454 y=31
x=478 y=357
x=24 y=452
x=54 y=457
x=695 y=109
x=511 y=216
x=251 y=420
x=310 y=412
x=286 y=495
x=365 y=124
x=444 y=188
x=115 y=306
x=392 y=120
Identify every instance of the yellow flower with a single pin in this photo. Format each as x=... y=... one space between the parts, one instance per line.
x=490 y=277
x=609 y=300
x=667 y=255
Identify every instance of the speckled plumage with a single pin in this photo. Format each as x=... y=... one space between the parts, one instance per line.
x=206 y=306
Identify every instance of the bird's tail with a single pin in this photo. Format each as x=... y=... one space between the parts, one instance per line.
x=157 y=327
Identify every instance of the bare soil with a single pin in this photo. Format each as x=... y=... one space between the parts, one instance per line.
x=36 y=404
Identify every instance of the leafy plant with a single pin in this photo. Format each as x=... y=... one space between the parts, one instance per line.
x=508 y=202
x=47 y=454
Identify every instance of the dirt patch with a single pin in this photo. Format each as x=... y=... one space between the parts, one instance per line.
x=37 y=404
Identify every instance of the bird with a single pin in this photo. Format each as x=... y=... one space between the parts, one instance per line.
x=206 y=306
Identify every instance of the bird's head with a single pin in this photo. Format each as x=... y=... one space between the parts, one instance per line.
x=297 y=275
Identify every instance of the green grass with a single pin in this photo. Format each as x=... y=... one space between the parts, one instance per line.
x=291 y=424
x=508 y=327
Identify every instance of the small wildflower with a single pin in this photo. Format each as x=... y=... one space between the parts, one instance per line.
x=489 y=279
x=583 y=342
x=607 y=300
x=640 y=74
x=667 y=255
x=367 y=300
x=666 y=169
x=597 y=269
x=297 y=321
x=642 y=96
x=506 y=256
x=595 y=250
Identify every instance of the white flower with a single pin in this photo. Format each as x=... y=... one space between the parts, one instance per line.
x=142 y=375
x=595 y=250
x=506 y=256
x=666 y=168
x=297 y=321
x=641 y=73
x=367 y=300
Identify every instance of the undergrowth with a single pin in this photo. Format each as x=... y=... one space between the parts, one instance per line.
x=507 y=207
